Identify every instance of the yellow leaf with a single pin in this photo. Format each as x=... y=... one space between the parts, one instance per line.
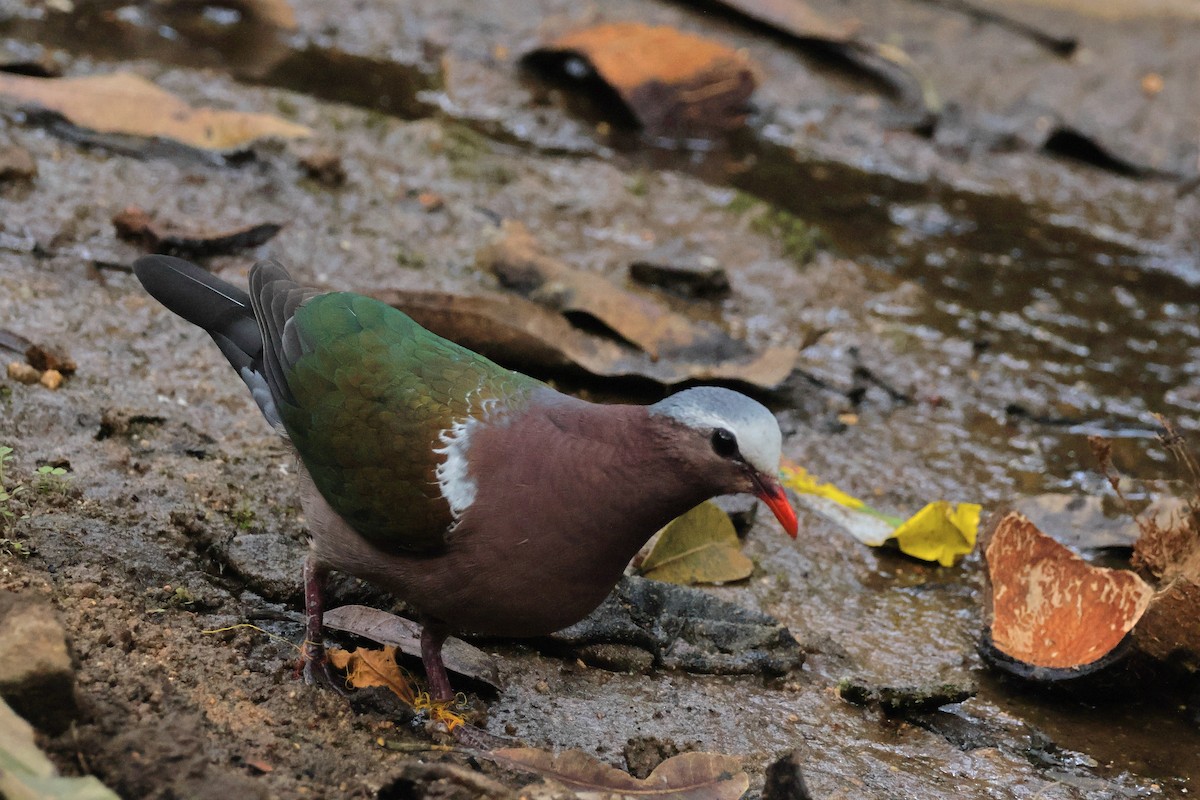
x=699 y=547
x=798 y=478
x=939 y=532
x=129 y=104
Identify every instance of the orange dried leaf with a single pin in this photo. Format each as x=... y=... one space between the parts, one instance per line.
x=365 y=668
x=672 y=82
x=128 y=104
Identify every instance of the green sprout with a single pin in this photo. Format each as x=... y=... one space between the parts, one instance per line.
x=51 y=480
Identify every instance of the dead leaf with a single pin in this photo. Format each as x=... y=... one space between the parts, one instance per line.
x=1049 y=607
x=672 y=83
x=135 y=225
x=939 y=532
x=525 y=335
x=695 y=349
x=699 y=547
x=517 y=260
x=405 y=636
x=794 y=17
x=366 y=668
x=128 y=104
x=688 y=776
x=881 y=61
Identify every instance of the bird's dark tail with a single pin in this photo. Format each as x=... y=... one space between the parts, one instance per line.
x=221 y=309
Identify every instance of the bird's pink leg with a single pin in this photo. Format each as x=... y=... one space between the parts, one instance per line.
x=313 y=664
x=433 y=636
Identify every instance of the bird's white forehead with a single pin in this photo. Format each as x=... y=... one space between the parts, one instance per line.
x=755 y=427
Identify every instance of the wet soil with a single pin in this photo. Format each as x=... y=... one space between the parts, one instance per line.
x=978 y=317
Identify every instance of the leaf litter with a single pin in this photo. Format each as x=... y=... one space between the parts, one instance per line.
x=687 y=776
x=126 y=104
x=701 y=546
x=939 y=531
x=366 y=668
x=135 y=225
x=674 y=84
x=534 y=327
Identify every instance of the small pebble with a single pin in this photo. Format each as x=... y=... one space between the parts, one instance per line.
x=23 y=373
x=51 y=379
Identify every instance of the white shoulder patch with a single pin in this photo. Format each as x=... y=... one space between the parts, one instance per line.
x=753 y=425
x=457 y=485
x=453 y=476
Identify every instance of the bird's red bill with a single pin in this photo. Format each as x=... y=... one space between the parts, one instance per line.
x=771 y=492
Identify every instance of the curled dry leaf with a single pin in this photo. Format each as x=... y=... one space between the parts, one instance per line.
x=405 y=635
x=883 y=62
x=525 y=335
x=1050 y=609
x=664 y=335
x=519 y=263
x=672 y=83
x=699 y=547
x=688 y=776
x=127 y=104
x=135 y=225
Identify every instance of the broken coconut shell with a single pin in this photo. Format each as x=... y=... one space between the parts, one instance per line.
x=1053 y=616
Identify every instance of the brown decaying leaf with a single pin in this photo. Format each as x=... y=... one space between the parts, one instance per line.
x=699 y=547
x=405 y=636
x=525 y=335
x=1050 y=608
x=128 y=104
x=794 y=17
x=365 y=668
x=688 y=776
x=135 y=225
x=673 y=83
x=881 y=61
x=517 y=260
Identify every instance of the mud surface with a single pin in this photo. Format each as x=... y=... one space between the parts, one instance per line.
x=971 y=314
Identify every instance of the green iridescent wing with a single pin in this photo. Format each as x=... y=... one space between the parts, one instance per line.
x=369 y=394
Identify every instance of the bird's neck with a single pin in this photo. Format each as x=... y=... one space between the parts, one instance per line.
x=624 y=485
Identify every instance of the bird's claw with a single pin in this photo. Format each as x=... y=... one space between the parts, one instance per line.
x=315 y=669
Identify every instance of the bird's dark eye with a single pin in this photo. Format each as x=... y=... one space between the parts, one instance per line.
x=724 y=443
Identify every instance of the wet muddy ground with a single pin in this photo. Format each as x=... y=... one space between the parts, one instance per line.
x=980 y=311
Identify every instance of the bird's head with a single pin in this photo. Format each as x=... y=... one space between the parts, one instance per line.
x=733 y=441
